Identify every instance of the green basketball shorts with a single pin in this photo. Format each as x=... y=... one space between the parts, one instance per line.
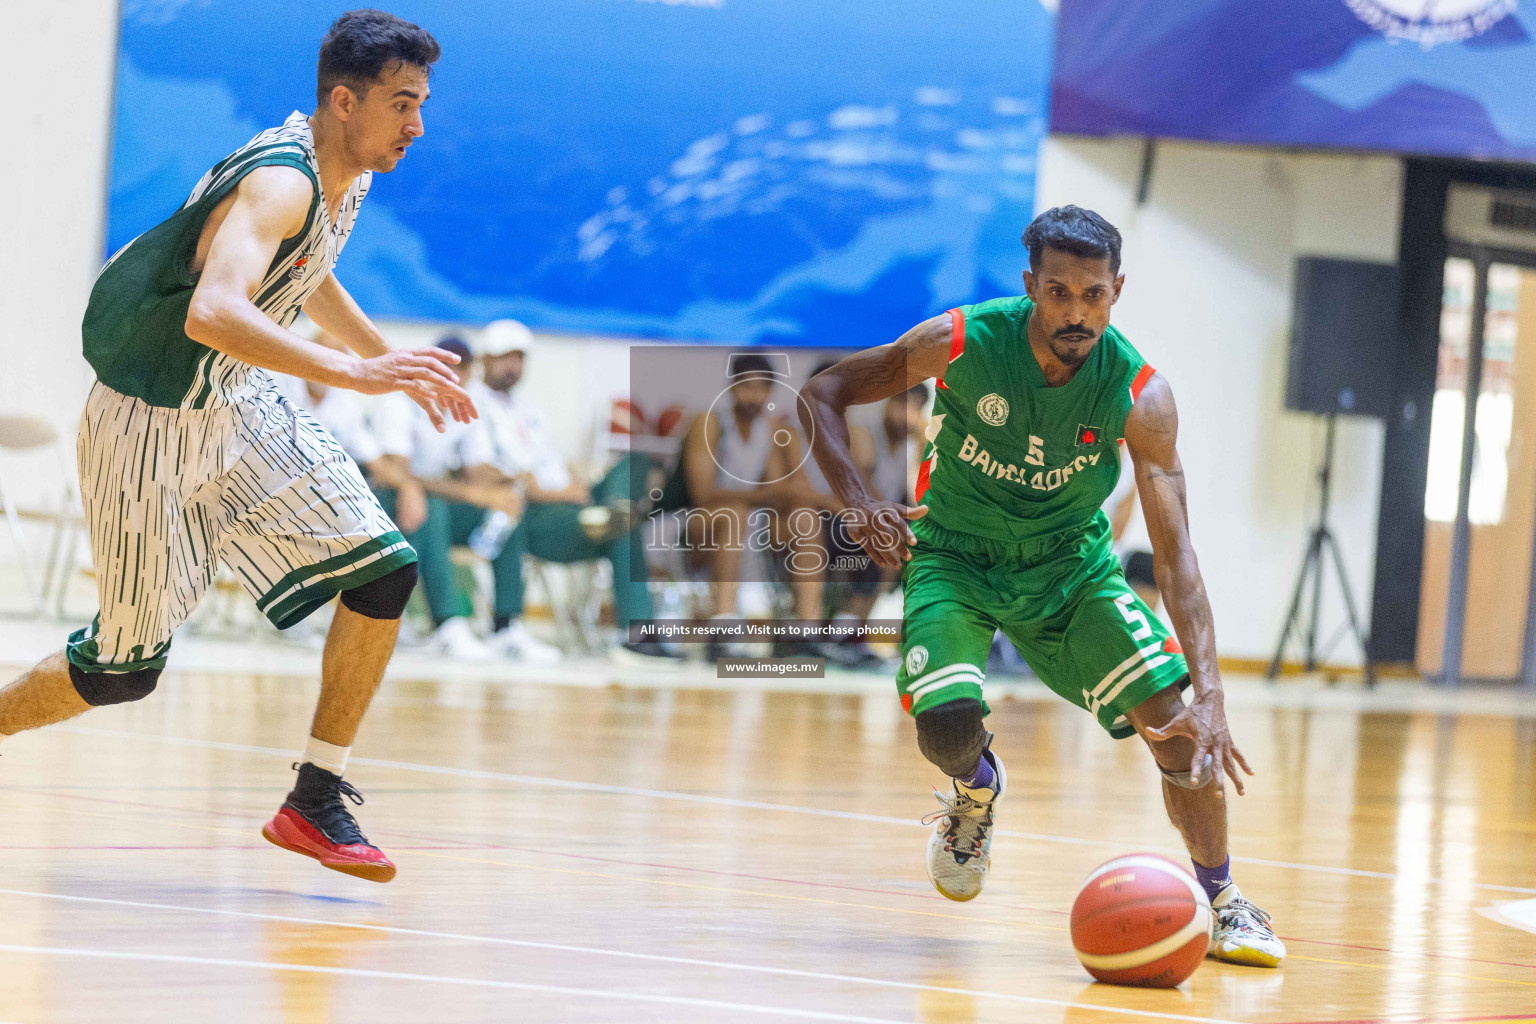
x=1062 y=602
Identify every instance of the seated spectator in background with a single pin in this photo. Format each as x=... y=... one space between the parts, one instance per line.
x=733 y=464
x=345 y=414
x=564 y=521
x=342 y=413
x=888 y=460
x=450 y=477
x=846 y=561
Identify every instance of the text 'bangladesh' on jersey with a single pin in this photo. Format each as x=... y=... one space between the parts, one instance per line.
x=1010 y=457
x=135 y=325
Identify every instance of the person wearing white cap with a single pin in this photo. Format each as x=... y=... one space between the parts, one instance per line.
x=565 y=521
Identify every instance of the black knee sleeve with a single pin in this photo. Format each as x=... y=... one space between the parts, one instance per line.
x=385 y=597
x=100 y=689
x=952 y=737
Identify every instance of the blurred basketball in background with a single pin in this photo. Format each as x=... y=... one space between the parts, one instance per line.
x=625 y=417
x=668 y=421
x=1141 y=920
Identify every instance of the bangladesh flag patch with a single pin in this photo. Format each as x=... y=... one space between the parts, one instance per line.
x=1088 y=435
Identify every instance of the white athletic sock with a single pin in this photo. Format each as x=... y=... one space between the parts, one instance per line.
x=326 y=755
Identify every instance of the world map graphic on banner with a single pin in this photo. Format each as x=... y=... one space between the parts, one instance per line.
x=781 y=171
x=1452 y=78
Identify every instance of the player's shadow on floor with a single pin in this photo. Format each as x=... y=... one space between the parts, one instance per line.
x=263 y=894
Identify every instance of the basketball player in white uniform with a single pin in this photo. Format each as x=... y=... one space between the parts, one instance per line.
x=189 y=456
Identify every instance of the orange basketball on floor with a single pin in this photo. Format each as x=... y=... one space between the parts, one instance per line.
x=1141 y=920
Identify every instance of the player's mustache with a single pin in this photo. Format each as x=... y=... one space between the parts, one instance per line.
x=1074 y=332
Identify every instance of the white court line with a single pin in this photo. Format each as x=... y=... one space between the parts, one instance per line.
x=438 y=979
x=597 y=951
x=755 y=805
x=1520 y=915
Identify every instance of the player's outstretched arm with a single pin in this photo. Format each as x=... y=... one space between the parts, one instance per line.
x=1151 y=433
x=239 y=242
x=338 y=314
x=872 y=375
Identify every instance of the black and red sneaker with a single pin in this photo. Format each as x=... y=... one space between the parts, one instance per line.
x=313 y=821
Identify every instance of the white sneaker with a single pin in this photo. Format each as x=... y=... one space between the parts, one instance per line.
x=516 y=642
x=1242 y=933
x=960 y=849
x=455 y=639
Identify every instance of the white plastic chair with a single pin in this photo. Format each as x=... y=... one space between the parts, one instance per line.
x=64 y=511
x=574 y=591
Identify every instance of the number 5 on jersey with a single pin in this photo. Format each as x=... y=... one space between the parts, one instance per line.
x=1134 y=616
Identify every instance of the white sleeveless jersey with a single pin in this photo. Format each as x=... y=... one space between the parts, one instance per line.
x=742 y=461
x=134 y=329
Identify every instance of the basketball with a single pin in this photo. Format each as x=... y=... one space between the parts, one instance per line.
x=1141 y=920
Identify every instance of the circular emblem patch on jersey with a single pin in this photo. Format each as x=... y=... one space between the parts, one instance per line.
x=917 y=660
x=993 y=409
x=1430 y=24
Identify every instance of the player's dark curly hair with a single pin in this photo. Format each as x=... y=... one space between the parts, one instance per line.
x=1074 y=230
x=363 y=44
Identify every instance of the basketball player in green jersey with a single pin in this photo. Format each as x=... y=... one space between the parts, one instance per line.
x=1036 y=395
x=190 y=458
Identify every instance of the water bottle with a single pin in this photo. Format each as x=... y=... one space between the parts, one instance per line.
x=491 y=535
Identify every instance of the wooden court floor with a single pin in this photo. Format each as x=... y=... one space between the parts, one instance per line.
x=602 y=854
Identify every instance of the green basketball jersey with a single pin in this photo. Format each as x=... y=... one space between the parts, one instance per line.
x=135 y=324
x=1008 y=456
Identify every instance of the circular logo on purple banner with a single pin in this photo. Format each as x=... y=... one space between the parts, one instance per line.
x=1431 y=22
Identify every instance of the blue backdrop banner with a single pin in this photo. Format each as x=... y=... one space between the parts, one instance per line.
x=786 y=171
x=1453 y=77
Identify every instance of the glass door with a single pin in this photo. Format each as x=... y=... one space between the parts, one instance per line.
x=1480 y=496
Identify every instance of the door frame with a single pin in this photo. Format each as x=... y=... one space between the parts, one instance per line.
x=1482 y=258
x=1422 y=245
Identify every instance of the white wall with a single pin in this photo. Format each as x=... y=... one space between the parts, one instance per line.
x=52 y=201
x=1209 y=267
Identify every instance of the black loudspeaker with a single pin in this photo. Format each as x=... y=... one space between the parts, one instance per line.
x=1344 y=338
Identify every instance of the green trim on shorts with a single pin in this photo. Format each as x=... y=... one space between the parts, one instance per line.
x=1114 y=719
x=82 y=650
x=297 y=606
x=285 y=586
x=958 y=681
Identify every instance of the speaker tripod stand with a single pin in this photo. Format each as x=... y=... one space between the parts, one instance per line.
x=1313 y=567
